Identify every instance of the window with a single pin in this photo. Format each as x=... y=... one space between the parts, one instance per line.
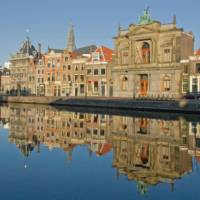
x=194 y=84
x=82 y=78
x=167 y=55
x=89 y=71
x=69 y=78
x=58 y=76
x=146 y=53
x=102 y=132
x=81 y=124
x=53 y=77
x=76 y=77
x=166 y=83
x=49 y=65
x=198 y=68
x=166 y=51
x=194 y=127
x=82 y=88
x=69 y=67
x=125 y=57
x=185 y=69
x=165 y=153
x=64 y=77
x=95 y=56
x=103 y=71
x=64 y=67
x=95 y=119
x=124 y=83
x=66 y=58
x=185 y=84
x=95 y=132
x=96 y=86
x=48 y=77
x=89 y=86
x=96 y=71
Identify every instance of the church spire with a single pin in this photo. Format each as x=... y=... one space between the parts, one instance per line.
x=174 y=19
x=71 y=46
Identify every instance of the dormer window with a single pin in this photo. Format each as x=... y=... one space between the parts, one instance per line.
x=95 y=56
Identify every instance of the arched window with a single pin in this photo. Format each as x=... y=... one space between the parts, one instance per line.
x=166 y=83
x=146 y=53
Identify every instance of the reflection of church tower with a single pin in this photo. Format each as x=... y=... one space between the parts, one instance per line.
x=71 y=46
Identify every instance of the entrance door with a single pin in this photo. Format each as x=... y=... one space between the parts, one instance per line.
x=59 y=92
x=103 y=89
x=76 y=91
x=111 y=91
x=54 y=92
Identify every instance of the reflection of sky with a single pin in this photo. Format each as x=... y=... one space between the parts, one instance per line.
x=51 y=176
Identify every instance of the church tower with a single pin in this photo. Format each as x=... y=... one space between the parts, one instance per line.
x=71 y=46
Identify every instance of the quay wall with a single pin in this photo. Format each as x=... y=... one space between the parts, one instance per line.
x=185 y=106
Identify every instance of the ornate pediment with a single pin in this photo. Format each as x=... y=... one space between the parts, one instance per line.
x=143 y=29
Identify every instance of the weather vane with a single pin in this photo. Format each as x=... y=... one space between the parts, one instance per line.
x=27 y=32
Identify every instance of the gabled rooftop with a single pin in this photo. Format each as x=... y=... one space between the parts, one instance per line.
x=55 y=50
x=86 y=49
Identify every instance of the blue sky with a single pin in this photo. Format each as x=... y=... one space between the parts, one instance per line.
x=95 y=21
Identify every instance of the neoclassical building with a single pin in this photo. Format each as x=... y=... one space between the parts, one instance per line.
x=147 y=59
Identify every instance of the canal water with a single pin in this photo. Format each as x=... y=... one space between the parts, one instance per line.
x=67 y=153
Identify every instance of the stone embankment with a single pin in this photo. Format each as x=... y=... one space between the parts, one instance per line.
x=182 y=105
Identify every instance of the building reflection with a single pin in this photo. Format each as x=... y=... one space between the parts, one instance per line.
x=147 y=150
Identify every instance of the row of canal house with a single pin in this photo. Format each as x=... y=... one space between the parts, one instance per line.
x=147 y=150
x=150 y=60
x=61 y=72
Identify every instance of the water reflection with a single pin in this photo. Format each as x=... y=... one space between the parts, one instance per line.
x=147 y=150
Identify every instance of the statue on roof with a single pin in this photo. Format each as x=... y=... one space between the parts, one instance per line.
x=146 y=17
x=142 y=187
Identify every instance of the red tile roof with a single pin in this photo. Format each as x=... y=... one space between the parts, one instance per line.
x=105 y=148
x=197 y=52
x=106 y=53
